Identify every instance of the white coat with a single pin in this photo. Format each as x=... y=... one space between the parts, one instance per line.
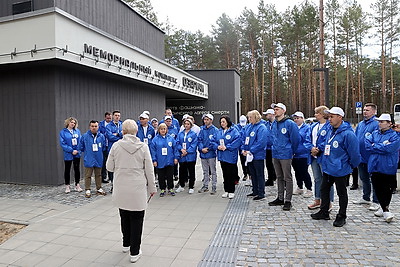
x=130 y=160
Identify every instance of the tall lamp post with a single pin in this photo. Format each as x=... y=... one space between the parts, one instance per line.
x=326 y=83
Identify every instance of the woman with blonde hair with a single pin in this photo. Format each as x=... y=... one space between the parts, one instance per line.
x=69 y=140
x=163 y=154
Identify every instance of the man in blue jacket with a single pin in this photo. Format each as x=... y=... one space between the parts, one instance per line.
x=207 y=147
x=175 y=122
x=341 y=154
x=363 y=130
x=285 y=140
x=114 y=134
x=102 y=128
x=92 y=144
x=145 y=130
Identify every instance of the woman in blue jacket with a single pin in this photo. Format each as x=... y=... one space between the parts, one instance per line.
x=187 y=150
x=69 y=141
x=384 y=145
x=255 y=144
x=163 y=154
x=229 y=141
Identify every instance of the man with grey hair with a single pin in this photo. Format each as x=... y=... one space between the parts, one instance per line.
x=130 y=160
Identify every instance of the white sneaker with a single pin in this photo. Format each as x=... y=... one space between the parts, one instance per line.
x=374 y=207
x=88 y=193
x=231 y=195
x=78 y=188
x=308 y=193
x=125 y=249
x=180 y=189
x=379 y=213
x=361 y=201
x=388 y=216
x=191 y=191
x=225 y=195
x=67 y=189
x=298 y=191
x=135 y=258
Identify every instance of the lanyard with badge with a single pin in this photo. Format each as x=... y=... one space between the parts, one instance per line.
x=327 y=151
x=95 y=147
x=184 y=141
x=74 y=140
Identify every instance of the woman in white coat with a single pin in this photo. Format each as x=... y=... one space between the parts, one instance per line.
x=130 y=160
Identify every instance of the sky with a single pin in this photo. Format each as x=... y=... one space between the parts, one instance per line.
x=192 y=15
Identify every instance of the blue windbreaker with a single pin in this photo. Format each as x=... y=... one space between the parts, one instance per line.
x=149 y=135
x=170 y=153
x=384 y=151
x=103 y=130
x=305 y=145
x=285 y=138
x=66 y=143
x=344 y=153
x=206 y=139
x=112 y=128
x=191 y=146
x=92 y=158
x=268 y=125
x=321 y=136
x=364 y=129
x=255 y=140
x=173 y=131
x=232 y=140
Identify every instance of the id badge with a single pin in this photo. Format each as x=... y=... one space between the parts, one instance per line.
x=246 y=142
x=221 y=142
x=164 y=151
x=95 y=147
x=146 y=141
x=184 y=146
x=74 y=141
x=327 y=151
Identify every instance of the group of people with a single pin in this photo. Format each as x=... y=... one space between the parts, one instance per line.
x=136 y=149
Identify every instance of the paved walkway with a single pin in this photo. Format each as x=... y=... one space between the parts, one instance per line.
x=192 y=230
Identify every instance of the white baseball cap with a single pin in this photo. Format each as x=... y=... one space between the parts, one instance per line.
x=146 y=112
x=144 y=116
x=185 y=116
x=279 y=105
x=269 y=111
x=336 y=111
x=208 y=115
x=384 y=117
x=167 y=118
x=298 y=114
x=154 y=119
x=242 y=120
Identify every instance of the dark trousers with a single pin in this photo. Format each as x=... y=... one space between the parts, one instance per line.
x=242 y=162
x=187 y=172
x=166 y=174
x=300 y=166
x=256 y=168
x=341 y=190
x=175 y=169
x=269 y=165
x=103 y=168
x=132 y=228
x=383 y=185
x=354 y=174
x=67 y=170
x=230 y=173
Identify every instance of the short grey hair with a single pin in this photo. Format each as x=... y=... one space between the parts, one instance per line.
x=129 y=127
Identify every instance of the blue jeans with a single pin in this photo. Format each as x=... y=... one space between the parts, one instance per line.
x=366 y=183
x=256 y=169
x=317 y=173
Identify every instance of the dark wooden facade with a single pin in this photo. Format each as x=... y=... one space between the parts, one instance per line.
x=37 y=97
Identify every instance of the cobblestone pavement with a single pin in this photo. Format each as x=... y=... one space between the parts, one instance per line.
x=273 y=237
x=53 y=194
